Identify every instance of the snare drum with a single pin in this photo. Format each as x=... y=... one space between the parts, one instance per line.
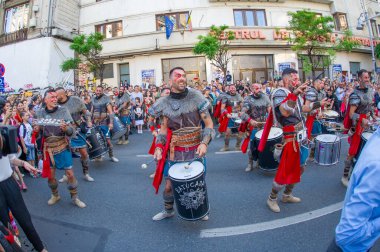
x=118 y=130
x=189 y=189
x=364 y=139
x=98 y=143
x=266 y=159
x=327 y=149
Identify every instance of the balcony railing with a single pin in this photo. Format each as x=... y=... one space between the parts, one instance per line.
x=9 y=38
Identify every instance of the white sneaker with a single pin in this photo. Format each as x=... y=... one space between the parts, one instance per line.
x=79 y=203
x=163 y=215
x=249 y=168
x=345 y=181
x=88 y=178
x=53 y=200
x=152 y=175
x=205 y=218
x=113 y=159
x=63 y=179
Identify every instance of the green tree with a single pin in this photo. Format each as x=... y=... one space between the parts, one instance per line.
x=87 y=49
x=215 y=46
x=311 y=37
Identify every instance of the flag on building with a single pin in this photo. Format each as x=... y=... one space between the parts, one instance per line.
x=168 y=27
x=189 y=22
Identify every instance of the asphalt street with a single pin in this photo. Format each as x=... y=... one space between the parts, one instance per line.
x=121 y=203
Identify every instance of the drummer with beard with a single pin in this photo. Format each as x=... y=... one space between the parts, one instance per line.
x=103 y=118
x=56 y=149
x=122 y=108
x=357 y=119
x=230 y=108
x=181 y=136
x=78 y=112
x=286 y=112
x=254 y=112
x=314 y=100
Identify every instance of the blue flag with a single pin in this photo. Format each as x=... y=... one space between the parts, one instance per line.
x=168 y=26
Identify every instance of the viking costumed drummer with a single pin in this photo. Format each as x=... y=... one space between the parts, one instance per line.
x=82 y=121
x=56 y=149
x=231 y=104
x=286 y=111
x=103 y=118
x=181 y=137
x=360 y=110
x=122 y=109
x=314 y=100
x=254 y=112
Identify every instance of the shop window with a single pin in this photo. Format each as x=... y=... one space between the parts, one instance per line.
x=195 y=68
x=252 y=68
x=340 y=21
x=354 y=69
x=16 y=18
x=250 y=18
x=320 y=70
x=179 y=19
x=107 y=73
x=110 y=30
x=125 y=76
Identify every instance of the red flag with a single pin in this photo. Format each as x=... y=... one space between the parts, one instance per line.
x=161 y=164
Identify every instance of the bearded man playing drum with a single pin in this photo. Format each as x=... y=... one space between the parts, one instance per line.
x=181 y=137
x=78 y=111
x=286 y=111
x=357 y=119
x=230 y=108
x=56 y=149
x=103 y=117
x=314 y=99
x=254 y=112
x=122 y=108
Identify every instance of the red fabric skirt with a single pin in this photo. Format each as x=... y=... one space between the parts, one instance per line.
x=289 y=169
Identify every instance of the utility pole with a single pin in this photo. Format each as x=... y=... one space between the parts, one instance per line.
x=368 y=23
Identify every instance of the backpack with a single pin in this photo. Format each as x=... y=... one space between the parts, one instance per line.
x=23 y=132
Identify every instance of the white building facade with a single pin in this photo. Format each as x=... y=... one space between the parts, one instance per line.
x=35 y=36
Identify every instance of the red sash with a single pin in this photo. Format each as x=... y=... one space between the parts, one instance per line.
x=218 y=107
x=309 y=124
x=46 y=171
x=355 y=139
x=223 y=120
x=289 y=169
x=244 y=146
x=161 y=164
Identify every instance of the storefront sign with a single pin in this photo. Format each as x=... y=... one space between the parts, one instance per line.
x=2 y=84
x=2 y=70
x=148 y=77
x=337 y=71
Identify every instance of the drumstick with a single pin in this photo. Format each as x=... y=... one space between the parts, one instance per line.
x=144 y=166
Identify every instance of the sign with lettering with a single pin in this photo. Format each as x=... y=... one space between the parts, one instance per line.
x=2 y=70
x=2 y=85
x=337 y=71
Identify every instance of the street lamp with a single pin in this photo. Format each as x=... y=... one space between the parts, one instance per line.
x=362 y=20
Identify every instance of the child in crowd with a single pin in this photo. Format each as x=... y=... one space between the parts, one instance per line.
x=139 y=116
x=25 y=134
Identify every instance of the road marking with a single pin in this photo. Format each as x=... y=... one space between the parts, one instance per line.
x=144 y=155
x=269 y=225
x=226 y=152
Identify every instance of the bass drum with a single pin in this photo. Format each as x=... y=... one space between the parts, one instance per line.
x=364 y=139
x=266 y=159
x=97 y=143
x=118 y=130
x=189 y=189
x=327 y=149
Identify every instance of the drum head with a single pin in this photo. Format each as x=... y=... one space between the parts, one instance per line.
x=238 y=121
x=367 y=135
x=327 y=138
x=179 y=172
x=274 y=133
x=330 y=113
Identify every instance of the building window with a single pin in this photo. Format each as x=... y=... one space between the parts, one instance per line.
x=340 y=21
x=180 y=21
x=354 y=69
x=374 y=28
x=107 y=72
x=125 y=76
x=320 y=70
x=110 y=30
x=252 y=68
x=16 y=18
x=195 y=68
x=250 y=18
